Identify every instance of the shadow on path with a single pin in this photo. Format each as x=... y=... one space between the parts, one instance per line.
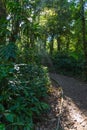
x=75 y=98
x=74 y=89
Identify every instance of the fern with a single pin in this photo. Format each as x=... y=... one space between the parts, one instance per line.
x=8 y=51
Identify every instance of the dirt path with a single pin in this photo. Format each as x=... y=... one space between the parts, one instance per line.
x=75 y=102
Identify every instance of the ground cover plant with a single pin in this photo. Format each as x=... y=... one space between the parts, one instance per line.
x=22 y=92
x=68 y=64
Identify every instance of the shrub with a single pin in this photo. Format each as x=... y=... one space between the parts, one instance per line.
x=22 y=90
x=29 y=55
x=68 y=64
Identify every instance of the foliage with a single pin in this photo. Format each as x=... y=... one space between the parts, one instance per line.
x=68 y=63
x=28 y=55
x=8 y=52
x=22 y=90
x=29 y=28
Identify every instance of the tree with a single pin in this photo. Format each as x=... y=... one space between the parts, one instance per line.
x=3 y=15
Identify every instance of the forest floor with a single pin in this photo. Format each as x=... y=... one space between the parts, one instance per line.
x=73 y=114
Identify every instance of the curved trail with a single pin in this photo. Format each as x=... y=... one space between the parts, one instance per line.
x=75 y=102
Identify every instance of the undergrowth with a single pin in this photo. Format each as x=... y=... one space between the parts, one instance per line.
x=23 y=88
x=68 y=64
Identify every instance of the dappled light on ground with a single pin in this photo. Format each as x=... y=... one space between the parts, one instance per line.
x=74 y=115
x=73 y=118
x=51 y=119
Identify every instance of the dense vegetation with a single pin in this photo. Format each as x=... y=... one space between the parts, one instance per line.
x=34 y=33
x=22 y=92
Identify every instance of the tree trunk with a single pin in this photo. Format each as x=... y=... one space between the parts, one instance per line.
x=67 y=44
x=32 y=40
x=45 y=42
x=58 y=44
x=2 y=10
x=14 y=36
x=77 y=44
x=52 y=45
x=2 y=22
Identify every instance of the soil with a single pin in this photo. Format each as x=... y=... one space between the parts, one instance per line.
x=74 y=116
x=68 y=107
x=49 y=121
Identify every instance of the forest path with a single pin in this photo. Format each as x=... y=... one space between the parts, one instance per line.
x=75 y=102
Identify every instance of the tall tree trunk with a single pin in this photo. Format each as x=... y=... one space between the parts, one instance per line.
x=84 y=34
x=2 y=22
x=12 y=40
x=45 y=42
x=14 y=36
x=32 y=40
x=77 y=44
x=2 y=10
x=52 y=44
x=58 y=44
x=67 y=44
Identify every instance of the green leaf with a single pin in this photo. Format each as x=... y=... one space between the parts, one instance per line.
x=15 y=128
x=9 y=117
x=1 y=107
x=2 y=127
x=44 y=105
